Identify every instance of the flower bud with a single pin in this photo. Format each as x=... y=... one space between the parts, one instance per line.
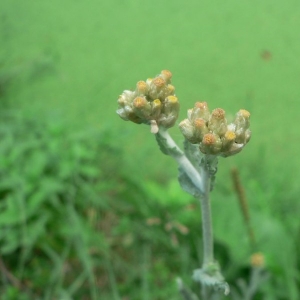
x=142 y=107
x=200 y=110
x=158 y=82
x=125 y=110
x=165 y=92
x=141 y=88
x=170 y=89
x=228 y=140
x=242 y=123
x=242 y=135
x=157 y=86
x=234 y=149
x=187 y=130
x=155 y=108
x=242 y=119
x=126 y=98
x=148 y=81
x=189 y=114
x=217 y=122
x=171 y=105
x=211 y=144
x=169 y=112
x=166 y=75
x=127 y=114
x=257 y=260
x=247 y=135
x=200 y=129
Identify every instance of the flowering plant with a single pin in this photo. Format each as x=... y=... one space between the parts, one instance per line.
x=208 y=136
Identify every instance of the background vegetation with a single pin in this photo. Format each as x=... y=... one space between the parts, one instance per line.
x=90 y=209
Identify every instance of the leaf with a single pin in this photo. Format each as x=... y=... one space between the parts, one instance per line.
x=11 y=241
x=11 y=214
x=187 y=184
x=195 y=157
x=211 y=278
x=165 y=147
x=200 y=161
x=35 y=230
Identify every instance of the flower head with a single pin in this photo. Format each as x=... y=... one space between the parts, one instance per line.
x=152 y=102
x=212 y=132
x=257 y=260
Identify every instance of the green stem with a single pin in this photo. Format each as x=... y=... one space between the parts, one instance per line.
x=179 y=156
x=202 y=181
x=208 y=247
x=207 y=230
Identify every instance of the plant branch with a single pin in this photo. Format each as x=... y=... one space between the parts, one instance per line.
x=169 y=147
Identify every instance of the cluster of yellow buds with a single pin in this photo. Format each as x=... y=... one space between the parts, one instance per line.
x=212 y=132
x=152 y=102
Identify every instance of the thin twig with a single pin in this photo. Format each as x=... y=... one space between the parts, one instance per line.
x=240 y=191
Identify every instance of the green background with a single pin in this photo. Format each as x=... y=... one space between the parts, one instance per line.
x=75 y=57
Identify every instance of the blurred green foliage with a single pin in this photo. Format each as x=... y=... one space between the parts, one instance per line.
x=51 y=184
x=76 y=224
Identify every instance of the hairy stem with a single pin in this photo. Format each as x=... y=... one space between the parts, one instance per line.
x=208 y=248
x=181 y=159
x=207 y=230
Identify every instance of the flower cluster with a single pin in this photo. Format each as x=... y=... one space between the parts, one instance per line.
x=152 y=102
x=212 y=132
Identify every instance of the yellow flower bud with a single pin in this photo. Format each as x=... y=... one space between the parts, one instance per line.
x=218 y=114
x=211 y=144
x=209 y=139
x=141 y=88
x=159 y=82
x=170 y=111
x=228 y=140
x=166 y=75
x=245 y=113
x=200 y=110
x=171 y=105
x=187 y=130
x=200 y=129
x=142 y=107
x=217 y=122
x=242 y=119
x=229 y=136
x=243 y=135
x=166 y=91
x=139 y=102
x=157 y=88
x=257 y=260
x=156 y=108
x=126 y=98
